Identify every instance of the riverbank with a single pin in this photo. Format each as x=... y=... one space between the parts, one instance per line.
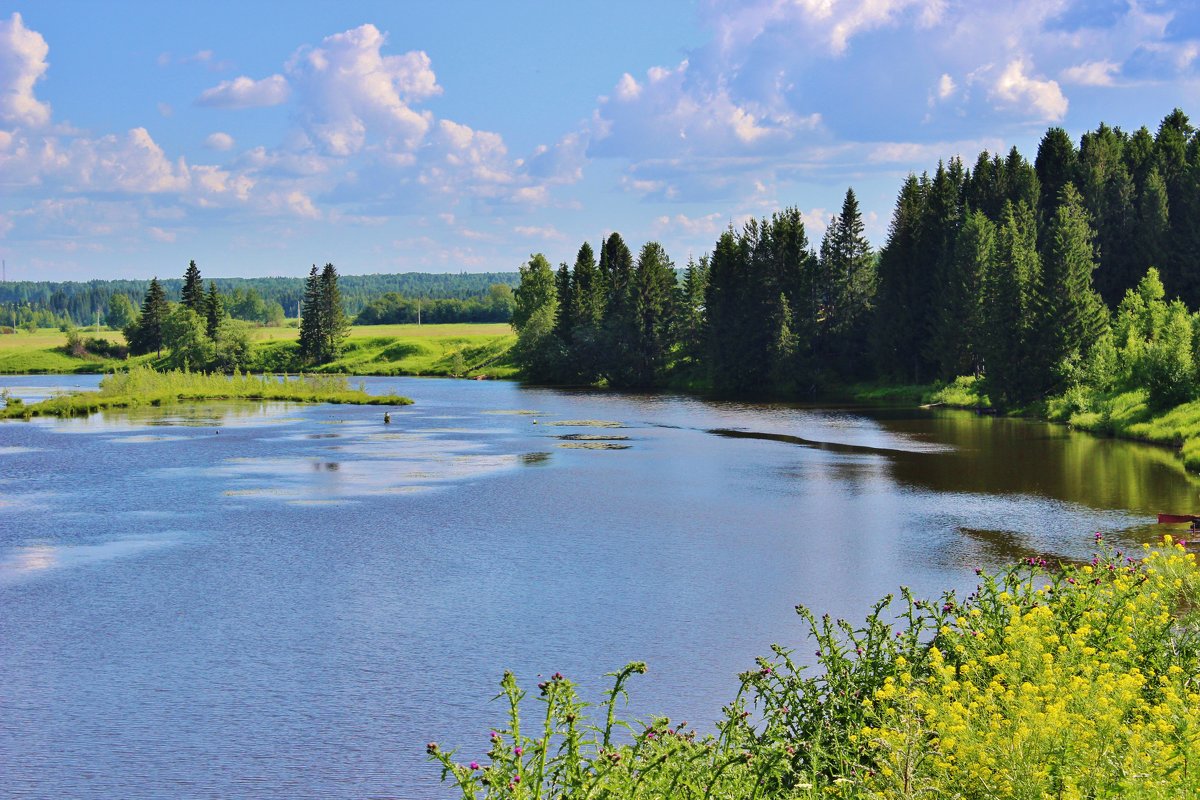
x=144 y=386
x=455 y=350
x=1048 y=681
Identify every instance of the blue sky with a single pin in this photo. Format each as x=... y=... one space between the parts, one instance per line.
x=387 y=137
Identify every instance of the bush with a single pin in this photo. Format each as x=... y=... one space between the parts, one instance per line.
x=1069 y=681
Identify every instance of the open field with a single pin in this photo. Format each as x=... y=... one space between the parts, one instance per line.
x=458 y=350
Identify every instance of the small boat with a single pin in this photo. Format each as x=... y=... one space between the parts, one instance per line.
x=1178 y=519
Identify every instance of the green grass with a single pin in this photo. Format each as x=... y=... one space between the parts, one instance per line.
x=144 y=386
x=459 y=350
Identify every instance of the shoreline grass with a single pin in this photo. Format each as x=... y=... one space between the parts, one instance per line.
x=1064 y=681
x=144 y=386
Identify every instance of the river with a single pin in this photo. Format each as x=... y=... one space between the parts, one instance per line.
x=281 y=601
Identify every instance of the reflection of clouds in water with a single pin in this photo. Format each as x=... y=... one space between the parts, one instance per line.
x=27 y=561
x=232 y=414
x=311 y=480
x=146 y=439
x=15 y=450
x=27 y=501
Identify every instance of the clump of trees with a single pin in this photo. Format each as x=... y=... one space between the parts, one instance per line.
x=197 y=332
x=395 y=308
x=323 y=323
x=763 y=313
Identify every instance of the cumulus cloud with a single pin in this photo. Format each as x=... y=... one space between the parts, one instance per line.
x=546 y=232
x=676 y=111
x=1041 y=99
x=347 y=86
x=1092 y=73
x=243 y=92
x=219 y=140
x=22 y=64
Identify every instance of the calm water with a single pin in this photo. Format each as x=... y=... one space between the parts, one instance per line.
x=289 y=601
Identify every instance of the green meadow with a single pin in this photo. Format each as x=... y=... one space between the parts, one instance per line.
x=454 y=350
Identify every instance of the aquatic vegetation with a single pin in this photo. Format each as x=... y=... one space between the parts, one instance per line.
x=1072 y=681
x=142 y=385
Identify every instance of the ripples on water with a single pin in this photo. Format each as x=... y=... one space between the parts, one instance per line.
x=288 y=601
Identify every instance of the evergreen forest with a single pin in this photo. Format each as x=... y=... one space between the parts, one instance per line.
x=1076 y=269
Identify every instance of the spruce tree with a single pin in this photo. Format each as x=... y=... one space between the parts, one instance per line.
x=620 y=324
x=960 y=329
x=587 y=314
x=564 y=322
x=146 y=334
x=193 y=290
x=1057 y=164
x=654 y=307
x=723 y=313
x=1008 y=282
x=848 y=290
x=310 y=318
x=902 y=291
x=214 y=310
x=1069 y=315
x=335 y=327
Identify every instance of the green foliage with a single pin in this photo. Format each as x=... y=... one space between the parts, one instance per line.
x=192 y=294
x=145 y=335
x=120 y=313
x=142 y=385
x=185 y=336
x=323 y=324
x=1048 y=681
x=537 y=351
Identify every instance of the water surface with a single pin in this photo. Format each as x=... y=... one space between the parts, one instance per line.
x=280 y=600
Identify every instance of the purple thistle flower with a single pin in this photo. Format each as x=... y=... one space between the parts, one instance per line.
x=474 y=765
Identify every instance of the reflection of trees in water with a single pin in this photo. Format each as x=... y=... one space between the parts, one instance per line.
x=1006 y=456
x=326 y=466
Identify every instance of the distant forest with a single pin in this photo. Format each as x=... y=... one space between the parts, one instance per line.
x=53 y=303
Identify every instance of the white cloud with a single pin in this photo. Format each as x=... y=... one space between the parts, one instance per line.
x=22 y=64
x=547 y=232
x=946 y=87
x=1040 y=99
x=160 y=235
x=243 y=92
x=709 y=224
x=219 y=140
x=347 y=87
x=1092 y=73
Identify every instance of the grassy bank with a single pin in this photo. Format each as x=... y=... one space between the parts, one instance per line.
x=143 y=386
x=443 y=350
x=1063 y=682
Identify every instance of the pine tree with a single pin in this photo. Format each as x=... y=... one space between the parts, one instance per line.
x=587 y=314
x=564 y=322
x=654 y=305
x=1069 y=315
x=214 y=310
x=848 y=290
x=311 y=325
x=146 y=334
x=193 y=290
x=724 y=320
x=690 y=319
x=961 y=330
x=335 y=327
x=1008 y=282
x=1057 y=164
x=902 y=291
x=620 y=323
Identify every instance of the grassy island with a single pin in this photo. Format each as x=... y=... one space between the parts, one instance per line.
x=1050 y=681
x=144 y=386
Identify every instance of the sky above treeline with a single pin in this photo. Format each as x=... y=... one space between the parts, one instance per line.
x=259 y=138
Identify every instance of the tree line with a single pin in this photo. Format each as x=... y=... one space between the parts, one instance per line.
x=258 y=300
x=1008 y=271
